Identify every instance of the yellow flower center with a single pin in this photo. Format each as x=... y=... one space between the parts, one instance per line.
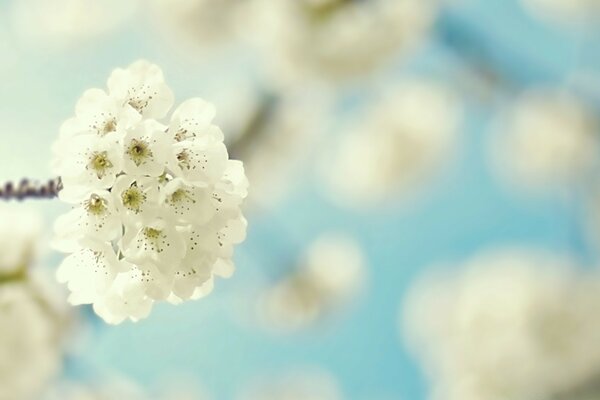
x=139 y=151
x=180 y=195
x=321 y=10
x=100 y=163
x=109 y=126
x=184 y=159
x=152 y=233
x=133 y=199
x=96 y=205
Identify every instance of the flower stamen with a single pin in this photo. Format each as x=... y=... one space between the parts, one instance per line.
x=139 y=151
x=181 y=195
x=133 y=199
x=100 y=163
x=184 y=159
x=96 y=205
x=109 y=126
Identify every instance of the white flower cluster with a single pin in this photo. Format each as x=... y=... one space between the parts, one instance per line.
x=156 y=207
x=511 y=325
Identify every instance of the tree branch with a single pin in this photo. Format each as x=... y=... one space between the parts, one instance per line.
x=26 y=189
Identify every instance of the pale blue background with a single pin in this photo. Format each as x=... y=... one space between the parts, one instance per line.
x=463 y=211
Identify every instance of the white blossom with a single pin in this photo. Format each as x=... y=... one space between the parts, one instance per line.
x=89 y=162
x=395 y=147
x=146 y=150
x=156 y=206
x=136 y=198
x=546 y=139
x=334 y=39
x=200 y=160
x=99 y=114
x=509 y=325
x=142 y=86
x=331 y=275
x=194 y=118
x=96 y=218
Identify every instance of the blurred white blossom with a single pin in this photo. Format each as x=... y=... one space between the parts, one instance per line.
x=334 y=39
x=306 y=384
x=509 y=324
x=238 y=101
x=277 y=142
x=565 y=11
x=69 y=22
x=30 y=348
x=201 y=23
x=331 y=274
x=396 y=146
x=547 y=138
x=156 y=207
x=32 y=315
x=20 y=232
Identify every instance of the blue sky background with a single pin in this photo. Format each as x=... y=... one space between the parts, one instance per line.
x=462 y=211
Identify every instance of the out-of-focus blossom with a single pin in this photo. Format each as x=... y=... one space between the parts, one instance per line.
x=69 y=22
x=565 y=11
x=547 y=138
x=339 y=39
x=32 y=318
x=405 y=138
x=509 y=325
x=30 y=349
x=156 y=207
x=306 y=384
x=202 y=23
x=277 y=141
x=20 y=231
x=330 y=276
x=122 y=388
x=238 y=101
